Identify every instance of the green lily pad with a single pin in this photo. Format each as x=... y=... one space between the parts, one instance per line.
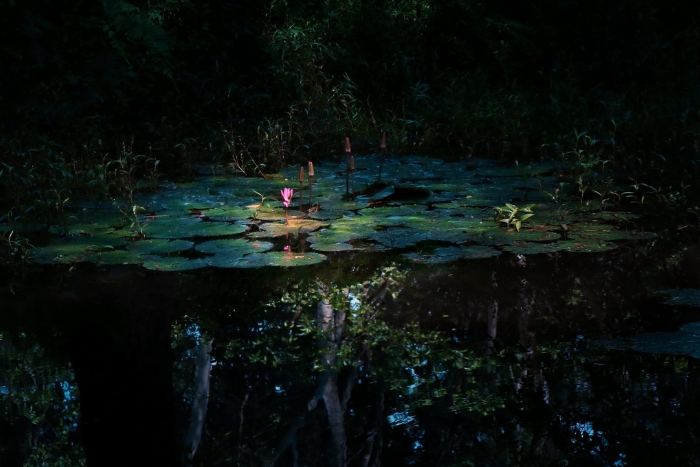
x=687 y=297
x=451 y=253
x=74 y=249
x=281 y=259
x=328 y=247
x=568 y=246
x=495 y=235
x=114 y=257
x=188 y=227
x=335 y=202
x=174 y=264
x=326 y=215
x=295 y=226
x=233 y=213
x=603 y=236
x=399 y=237
x=159 y=246
x=235 y=247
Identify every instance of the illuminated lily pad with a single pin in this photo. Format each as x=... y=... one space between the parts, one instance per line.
x=328 y=247
x=189 y=227
x=326 y=215
x=295 y=226
x=237 y=247
x=281 y=259
x=499 y=236
x=227 y=213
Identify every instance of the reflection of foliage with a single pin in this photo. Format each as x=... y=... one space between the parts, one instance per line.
x=40 y=407
x=377 y=355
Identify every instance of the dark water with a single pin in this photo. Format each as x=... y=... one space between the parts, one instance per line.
x=484 y=362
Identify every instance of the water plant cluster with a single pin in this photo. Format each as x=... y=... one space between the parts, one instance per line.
x=256 y=87
x=433 y=212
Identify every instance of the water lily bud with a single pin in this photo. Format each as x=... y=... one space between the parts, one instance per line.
x=382 y=143
x=347 y=145
x=311 y=169
x=301 y=175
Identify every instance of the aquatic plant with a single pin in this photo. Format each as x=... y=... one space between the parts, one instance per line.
x=301 y=189
x=287 y=194
x=508 y=214
x=311 y=183
x=382 y=149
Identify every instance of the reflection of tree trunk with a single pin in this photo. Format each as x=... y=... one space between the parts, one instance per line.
x=331 y=323
x=492 y=318
x=201 y=398
x=369 y=454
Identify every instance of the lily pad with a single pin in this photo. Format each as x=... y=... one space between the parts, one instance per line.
x=568 y=246
x=237 y=247
x=451 y=253
x=159 y=246
x=281 y=259
x=74 y=249
x=295 y=226
x=227 y=213
x=114 y=257
x=687 y=297
x=328 y=247
x=174 y=264
x=189 y=227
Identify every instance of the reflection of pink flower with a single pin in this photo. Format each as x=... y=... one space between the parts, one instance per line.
x=287 y=194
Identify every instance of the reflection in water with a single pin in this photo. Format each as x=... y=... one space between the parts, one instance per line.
x=486 y=362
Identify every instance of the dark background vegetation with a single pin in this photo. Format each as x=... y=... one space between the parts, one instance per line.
x=259 y=84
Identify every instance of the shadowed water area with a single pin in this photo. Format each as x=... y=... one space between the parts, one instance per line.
x=402 y=323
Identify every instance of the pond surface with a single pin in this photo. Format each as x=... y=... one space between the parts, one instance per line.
x=403 y=352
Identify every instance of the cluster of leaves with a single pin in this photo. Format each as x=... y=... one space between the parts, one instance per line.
x=39 y=421
x=510 y=214
x=452 y=74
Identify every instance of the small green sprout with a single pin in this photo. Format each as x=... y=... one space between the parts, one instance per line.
x=511 y=215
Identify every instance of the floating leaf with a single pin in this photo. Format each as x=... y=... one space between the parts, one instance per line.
x=174 y=264
x=159 y=246
x=446 y=254
x=281 y=258
x=687 y=297
x=327 y=247
x=295 y=226
x=189 y=227
x=227 y=213
x=238 y=247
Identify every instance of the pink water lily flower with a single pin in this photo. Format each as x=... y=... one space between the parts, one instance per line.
x=287 y=194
